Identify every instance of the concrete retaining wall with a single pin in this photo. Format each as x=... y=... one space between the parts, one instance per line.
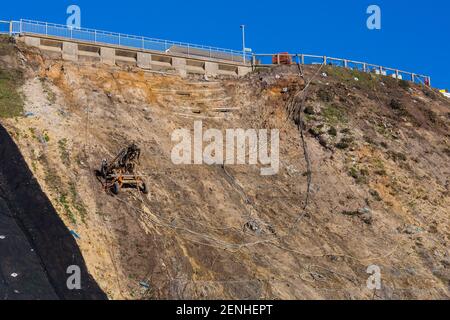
x=148 y=60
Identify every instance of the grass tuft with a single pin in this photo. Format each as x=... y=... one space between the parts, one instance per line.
x=11 y=100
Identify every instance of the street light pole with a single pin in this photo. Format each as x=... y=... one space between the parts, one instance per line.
x=243 y=41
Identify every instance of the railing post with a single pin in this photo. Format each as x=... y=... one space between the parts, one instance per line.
x=46 y=28
x=278 y=58
x=95 y=36
x=346 y=64
x=10 y=28
x=397 y=74
x=365 y=67
x=303 y=59
x=413 y=77
x=325 y=60
x=119 y=40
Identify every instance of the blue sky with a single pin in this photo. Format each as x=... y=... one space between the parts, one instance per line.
x=415 y=35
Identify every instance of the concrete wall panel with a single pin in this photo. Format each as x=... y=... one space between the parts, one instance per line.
x=34 y=42
x=180 y=65
x=70 y=51
x=211 y=68
x=144 y=60
x=108 y=56
x=242 y=71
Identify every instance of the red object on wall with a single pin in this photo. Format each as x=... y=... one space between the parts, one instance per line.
x=282 y=58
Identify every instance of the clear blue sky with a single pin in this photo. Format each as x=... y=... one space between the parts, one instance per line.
x=415 y=35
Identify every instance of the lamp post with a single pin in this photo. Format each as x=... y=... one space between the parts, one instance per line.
x=243 y=41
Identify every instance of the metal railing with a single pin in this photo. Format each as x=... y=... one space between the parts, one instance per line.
x=192 y=50
x=268 y=60
x=30 y=27
x=5 y=27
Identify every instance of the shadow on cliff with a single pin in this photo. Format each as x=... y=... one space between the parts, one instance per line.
x=39 y=222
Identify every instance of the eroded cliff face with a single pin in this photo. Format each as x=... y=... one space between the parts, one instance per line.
x=36 y=248
x=379 y=152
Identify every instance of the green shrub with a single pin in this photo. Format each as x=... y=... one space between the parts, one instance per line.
x=11 y=100
x=404 y=84
x=333 y=115
x=325 y=95
x=332 y=132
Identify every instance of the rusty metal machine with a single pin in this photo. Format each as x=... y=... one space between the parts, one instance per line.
x=121 y=172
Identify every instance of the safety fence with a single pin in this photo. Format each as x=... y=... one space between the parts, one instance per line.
x=269 y=60
x=30 y=27
x=5 y=27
